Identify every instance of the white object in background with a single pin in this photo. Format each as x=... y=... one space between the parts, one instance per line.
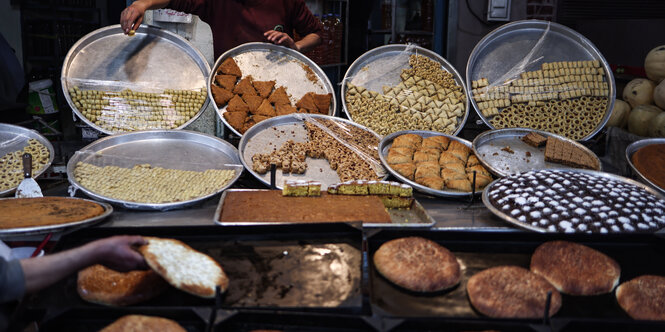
x=24 y=252
x=5 y=251
x=170 y=15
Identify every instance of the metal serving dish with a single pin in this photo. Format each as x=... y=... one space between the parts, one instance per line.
x=175 y=149
x=14 y=138
x=497 y=212
x=153 y=58
x=374 y=62
x=632 y=148
x=387 y=142
x=27 y=231
x=490 y=142
x=505 y=48
x=272 y=133
x=267 y=62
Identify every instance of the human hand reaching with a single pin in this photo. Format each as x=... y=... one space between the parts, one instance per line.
x=132 y=16
x=280 y=38
x=119 y=252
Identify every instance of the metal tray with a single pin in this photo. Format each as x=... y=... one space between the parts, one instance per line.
x=152 y=58
x=508 y=45
x=387 y=142
x=527 y=226
x=315 y=268
x=632 y=148
x=179 y=149
x=267 y=62
x=13 y=138
x=637 y=254
x=272 y=133
x=287 y=321
x=26 y=231
x=416 y=216
x=490 y=142
x=373 y=61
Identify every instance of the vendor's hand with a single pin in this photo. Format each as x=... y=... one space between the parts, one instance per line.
x=132 y=16
x=119 y=252
x=280 y=38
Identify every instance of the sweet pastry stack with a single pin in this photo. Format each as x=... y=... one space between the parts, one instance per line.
x=299 y=188
x=437 y=162
x=393 y=195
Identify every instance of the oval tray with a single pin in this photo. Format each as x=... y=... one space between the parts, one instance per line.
x=526 y=226
x=179 y=149
x=503 y=164
x=271 y=134
x=509 y=44
x=385 y=145
x=26 y=231
x=372 y=61
x=13 y=138
x=632 y=148
x=267 y=62
x=153 y=57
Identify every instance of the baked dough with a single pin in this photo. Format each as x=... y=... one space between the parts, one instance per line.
x=407 y=170
x=236 y=104
x=230 y=67
x=433 y=182
x=45 y=211
x=253 y=102
x=263 y=88
x=279 y=96
x=220 y=95
x=412 y=141
x=101 y=285
x=427 y=169
x=140 y=323
x=245 y=87
x=226 y=81
x=643 y=297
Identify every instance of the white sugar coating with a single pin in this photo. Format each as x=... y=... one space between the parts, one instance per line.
x=597 y=203
x=634 y=217
x=587 y=205
x=566 y=182
x=595 y=210
x=625 y=210
x=578 y=200
x=551 y=228
x=557 y=197
x=640 y=204
x=637 y=210
x=535 y=214
x=565 y=224
x=506 y=207
x=547 y=198
x=520 y=200
x=599 y=186
x=628 y=227
x=535 y=223
x=541 y=187
x=588 y=198
x=575 y=220
x=623 y=220
x=647 y=210
x=532 y=200
x=515 y=185
x=539 y=193
x=597 y=224
x=547 y=210
x=641 y=226
x=580 y=211
x=572 y=206
x=502 y=188
x=501 y=201
x=613 y=213
x=629 y=204
x=633 y=199
x=621 y=199
x=646 y=218
x=534 y=182
x=603 y=230
x=508 y=192
x=495 y=196
x=658 y=210
x=614 y=193
x=565 y=214
x=618 y=206
x=550 y=192
x=602 y=215
x=553 y=203
x=581 y=227
x=519 y=190
x=522 y=218
x=587 y=218
x=557 y=186
x=555 y=216
x=610 y=221
x=660 y=219
x=526 y=208
x=616 y=228
x=565 y=201
x=549 y=181
x=605 y=208
x=528 y=189
x=515 y=212
x=544 y=222
x=560 y=208
x=634 y=193
x=569 y=230
x=525 y=195
x=570 y=195
x=539 y=205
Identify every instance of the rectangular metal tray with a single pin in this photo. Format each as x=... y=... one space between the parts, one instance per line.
x=636 y=254
x=415 y=217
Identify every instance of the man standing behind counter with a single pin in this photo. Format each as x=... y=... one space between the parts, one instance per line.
x=235 y=22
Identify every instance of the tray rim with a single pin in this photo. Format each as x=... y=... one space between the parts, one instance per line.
x=149 y=206
x=518 y=131
x=514 y=222
x=269 y=47
x=402 y=47
x=498 y=32
x=144 y=28
x=441 y=193
x=39 y=137
x=632 y=148
x=36 y=230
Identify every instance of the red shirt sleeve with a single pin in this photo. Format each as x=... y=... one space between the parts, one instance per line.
x=303 y=21
x=196 y=7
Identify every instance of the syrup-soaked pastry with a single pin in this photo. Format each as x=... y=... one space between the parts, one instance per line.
x=457 y=167
x=235 y=119
x=230 y=67
x=253 y=102
x=226 y=81
x=279 y=96
x=245 y=87
x=263 y=88
x=407 y=170
x=433 y=182
x=449 y=174
x=220 y=95
x=236 y=104
x=479 y=169
x=449 y=158
x=266 y=109
x=427 y=169
x=322 y=102
x=283 y=109
x=408 y=140
x=461 y=185
x=307 y=102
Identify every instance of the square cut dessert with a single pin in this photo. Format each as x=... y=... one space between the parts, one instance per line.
x=396 y=202
x=534 y=139
x=357 y=187
x=378 y=187
x=301 y=188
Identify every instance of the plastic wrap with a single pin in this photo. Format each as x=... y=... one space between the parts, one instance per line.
x=405 y=87
x=547 y=78
x=14 y=142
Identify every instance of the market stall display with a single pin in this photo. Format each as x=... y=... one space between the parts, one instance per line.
x=118 y=83
x=256 y=81
x=404 y=87
x=155 y=170
x=645 y=158
x=14 y=142
x=540 y=75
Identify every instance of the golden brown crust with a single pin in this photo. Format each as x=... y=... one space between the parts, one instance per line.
x=422 y=156
x=101 y=285
x=285 y=109
x=511 y=292
x=253 y=102
x=575 y=269
x=226 y=81
x=43 y=211
x=462 y=185
x=266 y=109
x=448 y=158
x=412 y=141
x=230 y=67
x=407 y=170
x=245 y=87
x=263 y=87
x=307 y=102
x=436 y=142
x=258 y=118
x=479 y=170
x=643 y=297
x=435 y=183
x=459 y=154
x=459 y=168
x=427 y=169
x=449 y=174
x=322 y=102
x=236 y=104
x=458 y=146
x=472 y=161
x=417 y=264
x=235 y=119
x=140 y=323
x=221 y=95
x=279 y=96
x=481 y=180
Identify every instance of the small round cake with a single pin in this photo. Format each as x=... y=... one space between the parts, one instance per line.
x=101 y=285
x=511 y=292
x=417 y=264
x=643 y=297
x=575 y=269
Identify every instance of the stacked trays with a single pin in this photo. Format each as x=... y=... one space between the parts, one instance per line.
x=15 y=138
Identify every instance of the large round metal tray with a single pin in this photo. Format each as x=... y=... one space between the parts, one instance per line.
x=526 y=226
x=26 y=231
x=272 y=133
x=151 y=59
x=175 y=149
x=387 y=142
x=374 y=62
x=267 y=62
x=509 y=44
x=14 y=138
x=632 y=148
x=503 y=163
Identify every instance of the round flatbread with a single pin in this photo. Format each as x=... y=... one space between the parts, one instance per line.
x=575 y=269
x=183 y=267
x=511 y=292
x=140 y=323
x=643 y=297
x=101 y=285
x=44 y=211
x=417 y=264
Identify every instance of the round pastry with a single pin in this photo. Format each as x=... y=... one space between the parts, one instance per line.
x=140 y=323
x=45 y=211
x=575 y=269
x=511 y=292
x=101 y=285
x=643 y=297
x=417 y=264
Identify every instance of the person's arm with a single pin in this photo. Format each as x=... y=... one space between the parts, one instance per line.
x=132 y=16
x=115 y=252
x=308 y=42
